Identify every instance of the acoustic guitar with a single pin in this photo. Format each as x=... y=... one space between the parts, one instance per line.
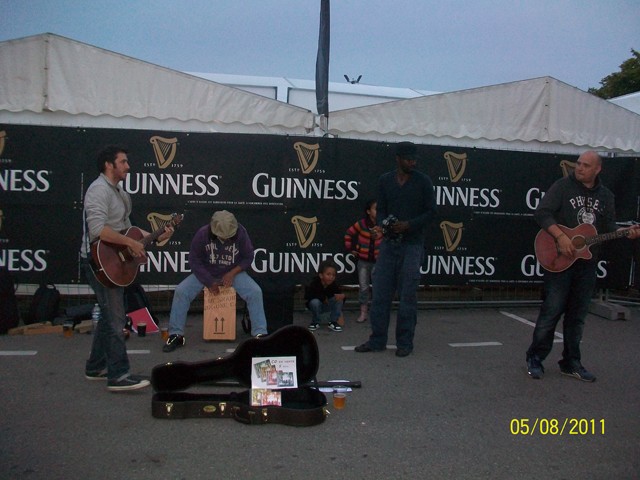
x=114 y=266
x=582 y=237
x=289 y=341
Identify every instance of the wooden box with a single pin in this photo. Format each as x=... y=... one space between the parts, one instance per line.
x=220 y=314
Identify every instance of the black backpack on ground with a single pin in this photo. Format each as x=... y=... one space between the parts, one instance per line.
x=9 y=314
x=45 y=305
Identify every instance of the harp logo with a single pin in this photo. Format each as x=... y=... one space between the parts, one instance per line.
x=463 y=194
x=452 y=234
x=164 y=149
x=308 y=155
x=158 y=221
x=305 y=228
x=456 y=164
x=567 y=167
x=3 y=136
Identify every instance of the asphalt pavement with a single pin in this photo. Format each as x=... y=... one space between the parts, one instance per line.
x=460 y=407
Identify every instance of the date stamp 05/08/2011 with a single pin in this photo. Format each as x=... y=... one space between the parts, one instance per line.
x=557 y=426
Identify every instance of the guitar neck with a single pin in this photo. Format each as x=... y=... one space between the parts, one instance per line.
x=149 y=239
x=604 y=237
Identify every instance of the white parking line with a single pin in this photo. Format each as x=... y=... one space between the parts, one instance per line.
x=353 y=347
x=17 y=353
x=520 y=319
x=531 y=324
x=480 y=344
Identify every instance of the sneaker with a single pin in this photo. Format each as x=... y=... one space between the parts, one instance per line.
x=534 y=367
x=130 y=382
x=174 y=341
x=314 y=326
x=102 y=375
x=579 y=373
x=403 y=352
x=335 y=327
x=365 y=347
x=261 y=335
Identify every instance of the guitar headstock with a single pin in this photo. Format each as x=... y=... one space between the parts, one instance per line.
x=176 y=218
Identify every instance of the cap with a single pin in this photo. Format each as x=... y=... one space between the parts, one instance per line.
x=407 y=150
x=224 y=224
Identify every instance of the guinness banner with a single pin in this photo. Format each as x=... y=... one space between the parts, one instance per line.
x=295 y=195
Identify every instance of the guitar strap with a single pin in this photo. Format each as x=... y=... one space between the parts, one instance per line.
x=85 y=234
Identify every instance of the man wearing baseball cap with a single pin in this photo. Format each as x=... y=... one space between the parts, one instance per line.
x=221 y=253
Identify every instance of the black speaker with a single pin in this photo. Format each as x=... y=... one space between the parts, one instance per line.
x=277 y=297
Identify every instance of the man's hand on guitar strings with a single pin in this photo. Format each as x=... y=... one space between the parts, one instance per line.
x=565 y=246
x=634 y=232
x=136 y=249
x=168 y=232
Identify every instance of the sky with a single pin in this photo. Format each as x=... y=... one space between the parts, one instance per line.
x=433 y=45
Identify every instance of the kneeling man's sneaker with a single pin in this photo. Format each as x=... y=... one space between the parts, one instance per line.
x=130 y=382
x=579 y=373
x=335 y=327
x=174 y=341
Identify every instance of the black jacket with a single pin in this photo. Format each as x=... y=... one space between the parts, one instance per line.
x=316 y=290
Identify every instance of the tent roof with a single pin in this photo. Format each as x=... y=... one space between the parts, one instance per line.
x=302 y=93
x=51 y=80
x=630 y=101
x=541 y=114
x=49 y=73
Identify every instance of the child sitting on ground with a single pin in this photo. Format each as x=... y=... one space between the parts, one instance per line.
x=324 y=295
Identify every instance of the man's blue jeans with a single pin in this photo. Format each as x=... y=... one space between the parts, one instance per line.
x=189 y=289
x=397 y=269
x=108 y=348
x=567 y=293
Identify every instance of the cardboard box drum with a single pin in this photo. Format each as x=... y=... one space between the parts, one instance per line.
x=220 y=314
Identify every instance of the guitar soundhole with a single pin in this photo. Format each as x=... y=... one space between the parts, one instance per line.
x=579 y=242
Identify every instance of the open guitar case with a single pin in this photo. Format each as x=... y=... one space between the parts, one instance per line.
x=301 y=406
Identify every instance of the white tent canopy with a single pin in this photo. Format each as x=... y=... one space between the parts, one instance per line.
x=52 y=80
x=631 y=101
x=541 y=114
x=302 y=93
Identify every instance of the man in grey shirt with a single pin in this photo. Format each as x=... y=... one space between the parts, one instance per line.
x=106 y=211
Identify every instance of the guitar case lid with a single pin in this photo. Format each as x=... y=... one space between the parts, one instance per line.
x=289 y=341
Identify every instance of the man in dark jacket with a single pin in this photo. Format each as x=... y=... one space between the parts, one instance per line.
x=406 y=205
x=571 y=201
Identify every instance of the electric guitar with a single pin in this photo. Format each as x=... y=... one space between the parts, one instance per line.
x=113 y=264
x=289 y=341
x=582 y=237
